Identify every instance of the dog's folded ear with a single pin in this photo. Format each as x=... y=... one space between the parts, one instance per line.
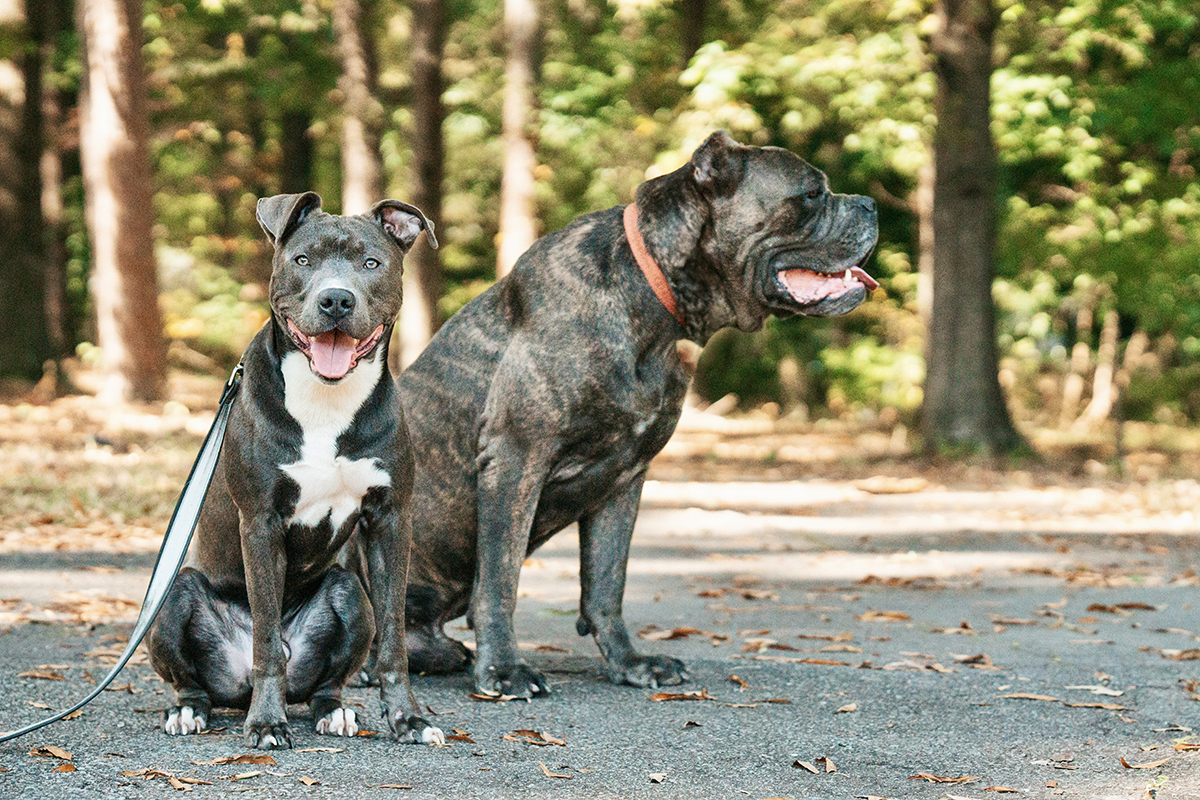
x=403 y=222
x=714 y=168
x=283 y=213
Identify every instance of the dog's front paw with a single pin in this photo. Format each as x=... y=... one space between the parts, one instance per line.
x=338 y=722
x=268 y=735
x=510 y=680
x=183 y=720
x=648 y=671
x=415 y=730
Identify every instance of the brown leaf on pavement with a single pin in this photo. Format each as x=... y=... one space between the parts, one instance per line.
x=699 y=694
x=849 y=708
x=882 y=616
x=1028 y=696
x=550 y=774
x=51 y=751
x=64 y=768
x=806 y=766
x=658 y=777
x=826 y=762
x=492 y=698
x=1191 y=654
x=1001 y=789
x=248 y=758
x=1109 y=706
x=539 y=738
x=41 y=675
x=309 y=781
x=1150 y=765
x=926 y=776
x=1183 y=747
x=742 y=684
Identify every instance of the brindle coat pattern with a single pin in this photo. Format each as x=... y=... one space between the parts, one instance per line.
x=542 y=402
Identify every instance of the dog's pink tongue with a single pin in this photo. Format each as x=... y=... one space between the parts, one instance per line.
x=332 y=353
x=809 y=287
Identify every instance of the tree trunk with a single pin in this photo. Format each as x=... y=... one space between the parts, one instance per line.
x=691 y=18
x=423 y=280
x=117 y=184
x=518 y=224
x=24 y=341
x=964 y=405
x=297 y=152
x=362 y=175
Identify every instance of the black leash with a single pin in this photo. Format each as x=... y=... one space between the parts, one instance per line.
x=174 y=547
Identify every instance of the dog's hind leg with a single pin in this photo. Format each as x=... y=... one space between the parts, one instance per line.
x=200 y=644
x=604 y=538
x=328 y=638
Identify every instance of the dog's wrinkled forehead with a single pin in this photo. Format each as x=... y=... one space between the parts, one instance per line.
x=775 y=175
x=325 y=236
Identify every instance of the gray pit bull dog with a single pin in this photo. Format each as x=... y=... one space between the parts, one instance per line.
x=542 y=401
x=316 y=452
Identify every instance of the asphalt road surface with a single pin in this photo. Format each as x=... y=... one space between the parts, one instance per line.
x=841 y=645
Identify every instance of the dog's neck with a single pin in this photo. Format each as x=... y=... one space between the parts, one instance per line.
x=674 y=220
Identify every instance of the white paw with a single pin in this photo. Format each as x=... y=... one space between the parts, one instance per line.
x=268 y=741
x=182 y=721
x=432 y=735
x=339 y=722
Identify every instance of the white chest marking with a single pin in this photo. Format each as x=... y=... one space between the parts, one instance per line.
x=330 y=485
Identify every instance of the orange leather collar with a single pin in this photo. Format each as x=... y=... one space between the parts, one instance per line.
x=654 y=274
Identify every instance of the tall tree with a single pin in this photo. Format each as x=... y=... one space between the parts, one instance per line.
x=518 y=223
x=24 y=341
x=424 y=281
x=117 y=185
x=691 y=20
x=362 y=174
x=963 y=403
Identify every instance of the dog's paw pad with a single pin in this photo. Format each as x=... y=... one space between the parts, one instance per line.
x=338 y=722
x=183 y=720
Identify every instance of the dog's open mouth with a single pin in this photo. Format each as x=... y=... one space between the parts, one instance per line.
x=333 y=353
x=807 y=287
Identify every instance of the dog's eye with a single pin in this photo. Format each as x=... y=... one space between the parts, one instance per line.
x=302 y=260
x=371 y=263
x=813 y=194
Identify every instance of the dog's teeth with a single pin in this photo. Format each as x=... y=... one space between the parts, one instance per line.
x=849 y=276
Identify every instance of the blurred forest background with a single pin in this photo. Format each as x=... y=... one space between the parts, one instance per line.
x=505 y=119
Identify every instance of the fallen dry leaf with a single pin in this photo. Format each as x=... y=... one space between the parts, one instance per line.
x=248 y=758
x=742 y=684
x=1186 y=746
x=1191 y=654
x=849 y=708
x=806 y=766
x=1028 y=696
x=76 y=714
x=41 y=675
x=1096 y=689
x=658 y=777
x=245 y=775
x=43 y=706
x=1109 y=706
x=539 y=738
x=309 y=781
x=882 y=616
x=492 y=698
x=319 y=750
x=1001 y=789
x=460 y=737
x=64 y=768
x=926 y=776
x=699 y=694
x=1150 y=765
x=50 y=751
x=826 y=762
x=550 y=774
x=389 y=786
x=885 y=484
x=776 y=700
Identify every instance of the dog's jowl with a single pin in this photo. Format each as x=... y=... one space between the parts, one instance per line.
x=542 y=401
x=316 y=462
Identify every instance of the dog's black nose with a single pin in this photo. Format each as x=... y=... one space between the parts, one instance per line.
x=335 y=303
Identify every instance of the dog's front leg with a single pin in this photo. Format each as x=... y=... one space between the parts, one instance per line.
x=510 y=483
x=263 y=554
x=603 y=556
x=387 y=534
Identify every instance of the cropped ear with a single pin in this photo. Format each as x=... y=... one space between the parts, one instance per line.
x=403 y=222
x=713 y=168
x=283 y=213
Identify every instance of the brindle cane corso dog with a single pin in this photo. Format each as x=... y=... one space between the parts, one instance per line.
x=542 y=402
